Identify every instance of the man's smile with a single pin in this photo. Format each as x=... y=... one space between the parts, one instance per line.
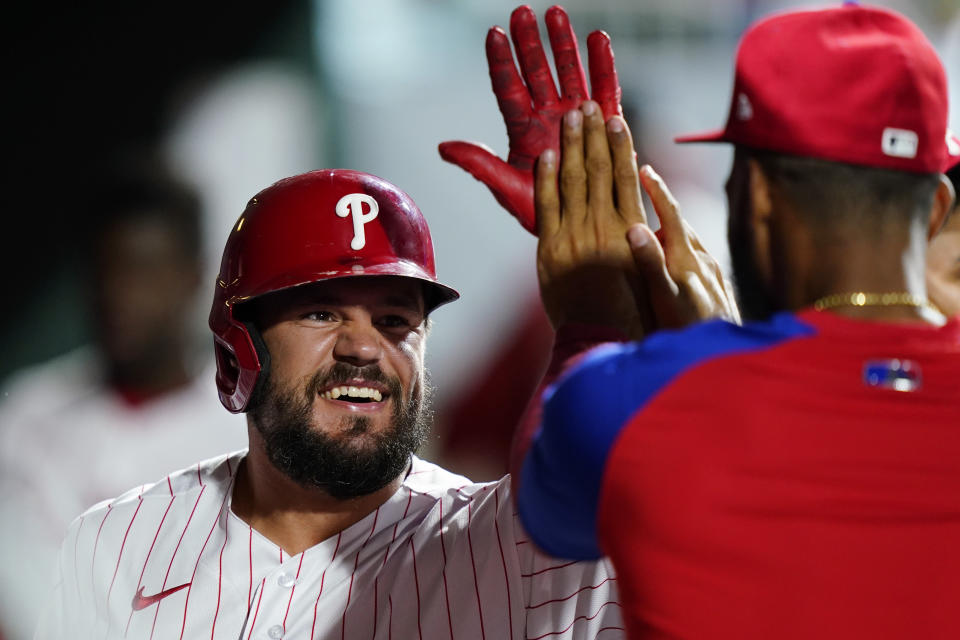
x=357 y=394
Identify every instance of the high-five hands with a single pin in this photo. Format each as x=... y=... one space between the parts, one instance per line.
x=597 y=260
x=532 y=108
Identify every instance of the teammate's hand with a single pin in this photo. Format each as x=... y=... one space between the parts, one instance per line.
x=583 y=260
x=532 y=108
x=682 y=282
x=597 y=260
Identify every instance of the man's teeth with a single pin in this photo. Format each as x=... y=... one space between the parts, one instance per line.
x=355 y=393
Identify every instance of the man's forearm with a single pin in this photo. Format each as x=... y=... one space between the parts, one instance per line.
x=572 y=342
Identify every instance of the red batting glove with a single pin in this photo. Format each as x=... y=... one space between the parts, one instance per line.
x=531 y=107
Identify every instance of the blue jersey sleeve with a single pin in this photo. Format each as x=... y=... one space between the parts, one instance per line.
x=585 y=411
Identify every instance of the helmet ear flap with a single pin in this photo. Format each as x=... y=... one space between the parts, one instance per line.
x=242 y=361
x=263 y=355
x=228 y=370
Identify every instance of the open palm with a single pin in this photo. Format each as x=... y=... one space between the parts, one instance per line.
x=532 y=107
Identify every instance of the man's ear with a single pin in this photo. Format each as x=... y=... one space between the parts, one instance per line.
x=760 y=196
x=943 y=201
x=761 y=212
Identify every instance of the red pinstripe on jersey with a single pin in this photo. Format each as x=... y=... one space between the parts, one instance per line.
x=119 y=557
x=443 y=552
x=553 y=568
x=150 y=552
x=386 y=554
x=253 y=622
x=356 y=562
x=250 y=588
x=93 y=559
x=293 y=589
x=122 y=545
x=174 y=556
x=323 y=577
x=572 y=595
x=602 y=629
x=473 y=563
x=575 y=620
x=186 y=603
x=416 y=582
x=506 y=578
x=390 y=619
x=216 y=612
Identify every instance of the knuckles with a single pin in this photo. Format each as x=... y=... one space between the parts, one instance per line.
x=598 y=165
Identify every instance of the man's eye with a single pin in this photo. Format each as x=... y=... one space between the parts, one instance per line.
x=394 y=322
x=320 y=316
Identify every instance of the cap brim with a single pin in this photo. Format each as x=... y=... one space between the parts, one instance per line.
x=718 y=135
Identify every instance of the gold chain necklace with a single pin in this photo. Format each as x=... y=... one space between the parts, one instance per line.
x=861 y=299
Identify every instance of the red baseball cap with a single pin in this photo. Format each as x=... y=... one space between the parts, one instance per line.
x=853 y=84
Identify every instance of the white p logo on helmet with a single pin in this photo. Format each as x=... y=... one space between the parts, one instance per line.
x=352 y=205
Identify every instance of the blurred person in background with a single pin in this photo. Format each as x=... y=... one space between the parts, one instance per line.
x=943 y=256
x=794 y=477
x=124 y=410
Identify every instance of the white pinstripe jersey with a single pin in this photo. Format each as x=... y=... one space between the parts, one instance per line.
x=442 y=558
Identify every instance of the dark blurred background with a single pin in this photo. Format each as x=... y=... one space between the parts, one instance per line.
x=84 y=83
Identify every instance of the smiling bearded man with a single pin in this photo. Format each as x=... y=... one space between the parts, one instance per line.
x=328 y=526
x=356 y=459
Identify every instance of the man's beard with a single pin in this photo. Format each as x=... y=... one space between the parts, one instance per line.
x=353 y=462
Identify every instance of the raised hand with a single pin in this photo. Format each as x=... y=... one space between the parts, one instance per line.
x=598 y=262
x=585 y=209
x=531 y=106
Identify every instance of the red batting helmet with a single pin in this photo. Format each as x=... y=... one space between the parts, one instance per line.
x=331 y=223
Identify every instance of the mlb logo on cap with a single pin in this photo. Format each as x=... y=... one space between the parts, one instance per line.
x=900 y=143
x=852 y=84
